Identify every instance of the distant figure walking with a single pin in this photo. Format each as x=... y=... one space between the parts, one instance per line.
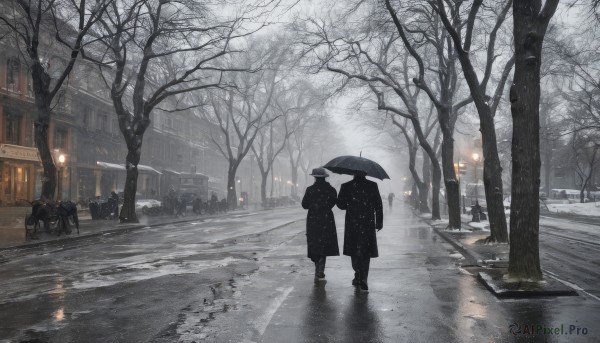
x=321 y=234
x=391 y=197
x=364 y=214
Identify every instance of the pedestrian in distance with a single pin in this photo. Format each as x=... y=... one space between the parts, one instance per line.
x=321 y=234
x=361 y=200
x=390 y=199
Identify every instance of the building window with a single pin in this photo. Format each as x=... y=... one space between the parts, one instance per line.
x=102 y=122
x=13 y=125
x=88 y=118
x=30 y=86
x=13 y=67
x=115 y=126
x=60 y=139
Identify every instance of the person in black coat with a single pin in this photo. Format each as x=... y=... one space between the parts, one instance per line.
x=321 y=235
x=364 y=214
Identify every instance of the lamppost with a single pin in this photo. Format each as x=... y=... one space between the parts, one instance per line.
x=62 y=158
x=239 y=181
x=476 y=210
x=476 y=160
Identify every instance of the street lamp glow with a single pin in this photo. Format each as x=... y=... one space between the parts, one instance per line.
x=476 y=156
x=61 y=158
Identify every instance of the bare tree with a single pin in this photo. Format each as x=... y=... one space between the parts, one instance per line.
x=241 y=113
x=530 y=22
x=37 y=25
x=293 y=103
x=584 y=157
x=314 y=143
x=446 y=74
x=375 y=62
x=411 y=138
x=486 y=105
x=158 y=51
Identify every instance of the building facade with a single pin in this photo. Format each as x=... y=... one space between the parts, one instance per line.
x=86 y=142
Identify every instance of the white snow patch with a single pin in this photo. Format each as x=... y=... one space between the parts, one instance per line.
x=484 y=225
x=144 y=271
x=464 y=271
x=586 y=209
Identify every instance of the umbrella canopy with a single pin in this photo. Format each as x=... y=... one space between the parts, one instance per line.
x=351 y=164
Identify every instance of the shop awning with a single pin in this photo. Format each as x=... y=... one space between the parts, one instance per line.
x=210 y=178
x=115 y=166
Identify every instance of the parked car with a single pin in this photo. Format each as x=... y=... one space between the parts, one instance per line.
x=149 y=203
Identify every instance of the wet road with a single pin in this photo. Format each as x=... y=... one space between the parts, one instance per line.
x=129 y=287
x=418 y=293
x=245 y=280
x=570 y=252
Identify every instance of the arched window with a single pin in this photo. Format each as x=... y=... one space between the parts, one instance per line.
x=13 y=67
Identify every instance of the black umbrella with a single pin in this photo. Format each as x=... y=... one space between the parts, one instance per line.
x=352 y=164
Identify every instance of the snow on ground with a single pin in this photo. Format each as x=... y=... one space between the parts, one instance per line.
x=571 y=226
x=586 y=209
x=483 y=225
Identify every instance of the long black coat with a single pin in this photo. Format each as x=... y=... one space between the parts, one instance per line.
x=321 y=235
x=364 y=214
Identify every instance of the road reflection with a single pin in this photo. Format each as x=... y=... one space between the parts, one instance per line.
x=361 y=322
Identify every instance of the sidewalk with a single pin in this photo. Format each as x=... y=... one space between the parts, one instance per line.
x=470 y=241
x=492 y=260
x=13 y=236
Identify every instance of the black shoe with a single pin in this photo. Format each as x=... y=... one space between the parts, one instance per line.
x=363 y=286
x=355 y=282
x=319 y=276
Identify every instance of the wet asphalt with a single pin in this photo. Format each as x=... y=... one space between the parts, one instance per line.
x=247 y=279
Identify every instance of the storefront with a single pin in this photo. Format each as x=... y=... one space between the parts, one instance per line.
x=18 y=168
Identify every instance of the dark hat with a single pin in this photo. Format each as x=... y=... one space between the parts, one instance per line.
x=319 y=172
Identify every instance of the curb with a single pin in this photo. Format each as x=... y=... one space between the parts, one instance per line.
x=506 y=290
x=472 y=257
x=121 y=228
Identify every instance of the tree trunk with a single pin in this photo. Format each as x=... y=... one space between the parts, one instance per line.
x=263 y=187
x=134 y=153
x=232 y=200
x=41 y=87
x=547 y=167
x=494 y=195
x=425 y=187
x=418 y=201
x=132 y=160
x=529 y=30
x=414 y=196
x=450 y=180
x=294 y=180
x=436 y=173
x=435 y=192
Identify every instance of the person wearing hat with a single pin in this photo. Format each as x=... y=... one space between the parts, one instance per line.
x=321 y=234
